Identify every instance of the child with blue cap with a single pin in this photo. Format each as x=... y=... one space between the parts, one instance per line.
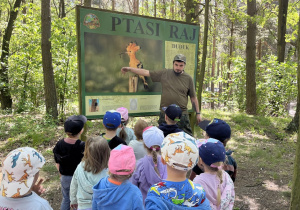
x=220 y=130
x=111 y=122
x=216 y=182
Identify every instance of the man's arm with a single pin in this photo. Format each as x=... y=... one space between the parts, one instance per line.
x=141 y=72
x=195 y=105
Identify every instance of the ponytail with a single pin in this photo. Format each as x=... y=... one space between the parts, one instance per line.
x=219 y=168
x=123 y=134
x=154 y=156
x=153 y=151
x=220 y=172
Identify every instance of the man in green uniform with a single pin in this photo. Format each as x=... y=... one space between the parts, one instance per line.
x=176 y=87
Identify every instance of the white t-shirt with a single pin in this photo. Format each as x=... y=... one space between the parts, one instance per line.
x=31 y=202
x=138 y=148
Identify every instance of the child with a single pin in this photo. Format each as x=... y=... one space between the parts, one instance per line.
x=149 y=169
x=68 y=153
x=220 y=130
x=92 y=168
x=180 y=153
x=216 y=182
x=20 y=171
x=115 y=191
x=138 y=145
x=172 y=116
x=124 y=132
x=112 y=121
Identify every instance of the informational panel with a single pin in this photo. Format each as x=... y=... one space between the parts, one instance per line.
x=108 y=41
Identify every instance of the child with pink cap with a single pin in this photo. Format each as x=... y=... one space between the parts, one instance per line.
x=115 y=191
x=149 y=169
x=125 y=133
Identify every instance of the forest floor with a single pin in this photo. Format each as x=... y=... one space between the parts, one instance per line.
x=263 y=151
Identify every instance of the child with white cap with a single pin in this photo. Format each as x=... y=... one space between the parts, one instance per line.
x=20 y=172
x=180 y=153
x=125 y=133
x=149 y=169
x=216 y=182
x=115 y=191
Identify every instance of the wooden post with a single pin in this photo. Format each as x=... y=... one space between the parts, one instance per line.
x=133 y=80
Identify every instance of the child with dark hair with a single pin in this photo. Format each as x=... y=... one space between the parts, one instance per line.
x=124 y=132
x=220 y=130
x=138 y=145
x=216 y=182
x=149 y=169
x=172 y=116
x=115 y=191
x=92 y=168
x=112 y=121
x=18 y=188
x=68 y=153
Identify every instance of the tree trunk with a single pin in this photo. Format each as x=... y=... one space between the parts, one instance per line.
x=113 y=3
x=172 y=9
x=250 y=58
x=136 y=6
x=213 y=64
x=154 y=2
x=49 y=84
x=282 y=16
x=5 y=96
x=204 y=53
x=62 y=10
x=88 y=3
x=294 y=124
x=295 y=196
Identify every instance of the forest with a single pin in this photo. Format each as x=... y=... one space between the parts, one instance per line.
x=248 y=60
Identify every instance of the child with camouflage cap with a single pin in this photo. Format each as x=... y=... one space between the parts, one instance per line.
x=180 y=153
x=18 y=186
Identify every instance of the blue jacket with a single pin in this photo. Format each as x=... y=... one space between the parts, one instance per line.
x=158 y=203
x=170 y=195
x=122 y=197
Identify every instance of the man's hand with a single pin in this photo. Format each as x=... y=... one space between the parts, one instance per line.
x=38 y=188
x=125 y=69
x=74 y=206
x=198 y=118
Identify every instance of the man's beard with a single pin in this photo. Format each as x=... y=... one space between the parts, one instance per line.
x=177 y=73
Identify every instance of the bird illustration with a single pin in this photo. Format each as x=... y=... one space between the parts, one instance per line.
x=131 y=50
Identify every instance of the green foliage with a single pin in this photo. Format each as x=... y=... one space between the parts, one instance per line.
x=275 y=85
x=25 y=62
x=24 y=130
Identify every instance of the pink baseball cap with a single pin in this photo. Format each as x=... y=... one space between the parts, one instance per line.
x=121 y=160
x=124 y=112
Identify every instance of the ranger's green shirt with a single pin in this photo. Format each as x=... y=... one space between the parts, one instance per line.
x=175 y=89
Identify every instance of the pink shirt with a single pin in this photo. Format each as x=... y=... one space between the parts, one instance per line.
x=210 y=184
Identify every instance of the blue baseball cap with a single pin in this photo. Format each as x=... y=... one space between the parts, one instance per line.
x=173 y=112
x=217 y=129
x=212 y=151
x=112 y=119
